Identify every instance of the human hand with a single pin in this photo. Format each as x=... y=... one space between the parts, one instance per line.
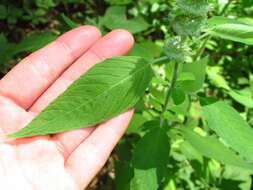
x=64 y=161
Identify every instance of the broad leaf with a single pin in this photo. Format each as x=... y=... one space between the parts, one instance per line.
x=231 y=127
x=178 y=96
x=231 y=29
x=122 y=181
x=30 y=43
x=146 y=49
x=215 y=76
x=115 y=18
x=149 y=160
x=5 y=50
x=243 y=96
x=230 y=184
x=137 y=121
x=186 y=76
x=181 y=108
x=217 y=20
x=238 y=174
x=34 y=42
x=198 y=69
x=213 y=148
x=106 y=90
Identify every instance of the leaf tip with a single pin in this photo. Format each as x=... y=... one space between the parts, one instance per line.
x=11 y=135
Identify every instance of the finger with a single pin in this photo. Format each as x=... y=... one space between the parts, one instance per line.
x=90 y=156
x=116 y=43
x=34 y=74
x=11 y=117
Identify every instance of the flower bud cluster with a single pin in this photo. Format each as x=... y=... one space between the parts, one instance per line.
x=191 y=17
x=188 y=19
x=175 y=50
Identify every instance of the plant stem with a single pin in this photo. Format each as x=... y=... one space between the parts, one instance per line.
x=202 y=48
x=171 y=86
x=159 y=59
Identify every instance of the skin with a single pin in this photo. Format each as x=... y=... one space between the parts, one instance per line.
x=64 y=161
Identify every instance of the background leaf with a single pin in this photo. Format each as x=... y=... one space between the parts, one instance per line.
x=215 y=76
x=244 y=97
x=231 y=127
x=31 y=43
x=178 y=96
x=213 y=148
x=68 y=22
x=198 y=69
x=115 y=18
x=34 y=42
x=122 y=181
x=5 y=50
x=231 y=29
x=149 y=159
x=137 y=121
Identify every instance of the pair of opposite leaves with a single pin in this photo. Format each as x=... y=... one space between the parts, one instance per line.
x=106 y=90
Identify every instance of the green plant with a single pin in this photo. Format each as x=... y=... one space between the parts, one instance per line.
x=184 y=133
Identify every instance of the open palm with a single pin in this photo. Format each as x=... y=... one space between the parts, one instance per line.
x=69 y=160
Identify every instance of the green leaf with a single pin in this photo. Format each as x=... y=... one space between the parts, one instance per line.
x=137 y=121
x=239 y=174
x=115 y=18
x=5 y=49
x=45 y=3
x=123 y=150
x=150 y=158
x=119 y=2
x=181 y=108
x=178 y=96
x=68 y=22
x=246 y=20
x=106 y=90
x=186 y=76
x=122 y=181
x=213 y=148
x=34 y=42
x=214 y=73
x=243 y=96
x=217 y=20
x=3 y=12
x=207 y=100
x=190 y=152
x=231 y=29
x=198 y=69
x=158 y=94
x=146 y=49
x=231 y=127
x=230 y=184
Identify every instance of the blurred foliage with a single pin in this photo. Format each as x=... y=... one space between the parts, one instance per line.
x=191 y=156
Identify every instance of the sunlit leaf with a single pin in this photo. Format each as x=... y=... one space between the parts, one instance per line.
x=231 y=29
x=231 y=127
x=213 y=148
x=106 y=90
